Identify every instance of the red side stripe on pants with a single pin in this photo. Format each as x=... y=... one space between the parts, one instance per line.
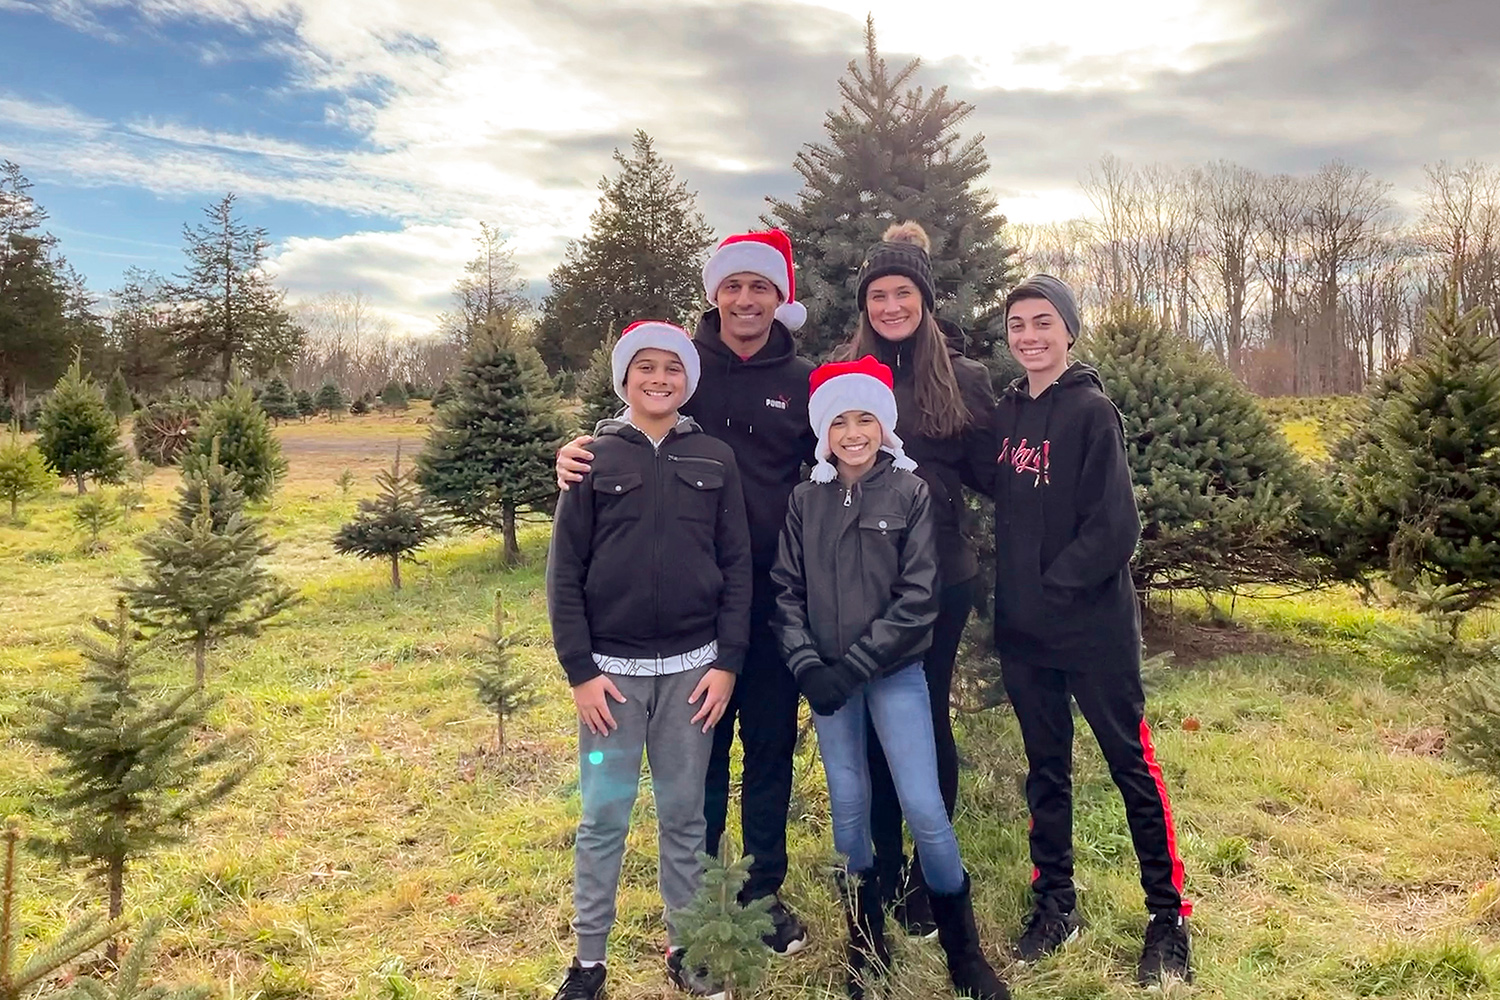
x=1166 y=808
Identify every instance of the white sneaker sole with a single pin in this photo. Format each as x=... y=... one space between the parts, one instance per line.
x=792 y=948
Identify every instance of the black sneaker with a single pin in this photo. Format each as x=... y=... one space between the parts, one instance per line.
x=789 y=935
x=694 y=982
x=582 y=983
x=1167 y=952
x=1047 y=929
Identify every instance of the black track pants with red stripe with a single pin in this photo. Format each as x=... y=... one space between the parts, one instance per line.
x=1113 y=704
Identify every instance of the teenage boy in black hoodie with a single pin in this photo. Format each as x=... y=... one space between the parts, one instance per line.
x=753 y=396
x=648 y=586
x=1066 y=621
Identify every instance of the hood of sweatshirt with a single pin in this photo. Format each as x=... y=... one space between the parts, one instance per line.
x=778 y=349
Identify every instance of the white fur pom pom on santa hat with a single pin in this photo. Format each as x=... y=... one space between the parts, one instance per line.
x=659 y=334
x=841 y=386
x=768 y=254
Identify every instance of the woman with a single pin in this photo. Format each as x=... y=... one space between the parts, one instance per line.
x=946 y=418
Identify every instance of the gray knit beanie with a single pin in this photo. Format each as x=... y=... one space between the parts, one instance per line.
x=1055 y=291
x=906 y=259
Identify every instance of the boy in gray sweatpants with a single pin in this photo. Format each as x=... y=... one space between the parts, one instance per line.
x=648 y=589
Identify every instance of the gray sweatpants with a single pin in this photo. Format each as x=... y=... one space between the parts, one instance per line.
x=655 y=717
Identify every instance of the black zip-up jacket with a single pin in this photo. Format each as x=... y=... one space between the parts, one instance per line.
x=758 y=406
x=856 y=573
x=650 y=554
x=947 y=464
x=1066 y=527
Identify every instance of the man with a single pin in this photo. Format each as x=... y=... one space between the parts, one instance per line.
x=1066 y=622
x=753 y=396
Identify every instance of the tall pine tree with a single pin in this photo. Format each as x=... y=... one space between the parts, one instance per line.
x=894 y=152
x=642 y=259
x=489 y=455
x=234 y=318
x=34 y=303
x=1421 y=492
x=135 y=771
x=393 y=524
x=79 y=437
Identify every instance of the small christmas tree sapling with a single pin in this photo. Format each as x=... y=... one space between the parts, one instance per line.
x=393 y=524
x=393 y=397
x=345 y=482
x=78 y=436
x=23 y=472
x=720 y=934
x=330 y=400
x=306 y=405
x=77 y=940
x=92 y=513
x=136 y=772
x=501 y=687
x=126 y=984
x=203 y=576
x=117 y=396
x=277 y=400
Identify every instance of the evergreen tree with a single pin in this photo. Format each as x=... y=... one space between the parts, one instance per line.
x=443 y=394
x=79 y=436
x=34 y=320
x=489 y=454
x=246 y=442
x=306 y=406
x=1421 y=494
x=225 y=490
x=393 y=396
x=237 y=317
x=344 y=481
x=23 y=472
x=92 y=514
x=127 y=982
x=894 y=152
x=136 y=772
x=642 y=258
x=206 y=582
x=720 y=934
x=1224 y=500
x=164 y=430
x=276 y=399
x=20 y=981
x=393 y=525
x=330 y=400
x=596 y=390
x=490 y=291
x=117 y=396
x=140 y=330
x=1473 y=712
x=498 y=681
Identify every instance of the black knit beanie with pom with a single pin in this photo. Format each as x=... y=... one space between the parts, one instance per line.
x=902 y=252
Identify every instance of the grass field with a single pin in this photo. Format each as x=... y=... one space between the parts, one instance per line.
x=382 y=849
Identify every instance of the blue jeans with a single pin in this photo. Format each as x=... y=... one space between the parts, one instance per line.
x=899 y=708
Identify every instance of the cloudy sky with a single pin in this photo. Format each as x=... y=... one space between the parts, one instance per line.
x=371 y=136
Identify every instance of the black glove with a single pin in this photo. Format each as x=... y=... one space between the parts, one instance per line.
x=828 y=686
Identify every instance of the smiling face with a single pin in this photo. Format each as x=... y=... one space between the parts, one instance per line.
x=854 y=438
x=1038 y=338
x=894 y=305
x=747 y=304
x=655 y=383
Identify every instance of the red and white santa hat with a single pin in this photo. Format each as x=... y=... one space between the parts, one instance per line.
x=768 y=254
x=659 y=334
x=841 y=386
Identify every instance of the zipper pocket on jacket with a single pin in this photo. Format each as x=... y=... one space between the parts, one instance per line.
x=695 y=458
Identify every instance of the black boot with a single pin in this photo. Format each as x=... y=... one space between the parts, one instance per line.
x=867 y=954
x=967 y=967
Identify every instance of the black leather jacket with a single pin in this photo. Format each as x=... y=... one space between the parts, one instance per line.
x=856 y=573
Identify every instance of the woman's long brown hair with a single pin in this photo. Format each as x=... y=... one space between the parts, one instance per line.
x=940 y=404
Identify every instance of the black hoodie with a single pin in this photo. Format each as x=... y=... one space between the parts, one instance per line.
x=947 y=464
x=650 y=556
x=757 y=406
x=1066 y=527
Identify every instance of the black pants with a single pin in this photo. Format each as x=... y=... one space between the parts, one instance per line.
x=1113 y=704
x=954 y=605
x=765 y=702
